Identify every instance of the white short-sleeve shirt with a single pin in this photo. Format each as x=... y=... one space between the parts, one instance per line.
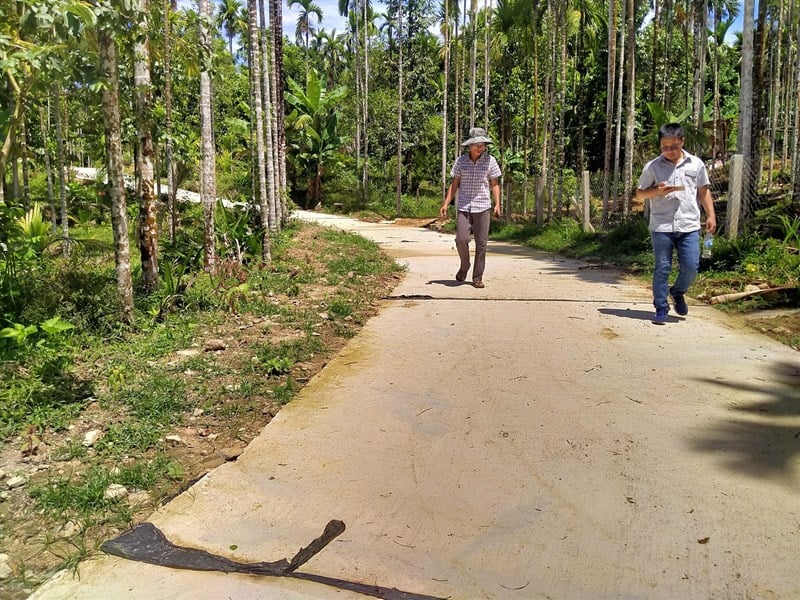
x=678 y=211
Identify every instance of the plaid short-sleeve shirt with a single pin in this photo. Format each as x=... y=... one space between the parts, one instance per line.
x=473 y=188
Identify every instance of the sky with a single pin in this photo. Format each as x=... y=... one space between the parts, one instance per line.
x=332 y=20
x=330 y=16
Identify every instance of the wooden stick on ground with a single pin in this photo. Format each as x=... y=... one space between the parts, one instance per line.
x=739 y=295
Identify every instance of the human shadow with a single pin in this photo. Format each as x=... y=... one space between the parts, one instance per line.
x=760 y=442
x=639 y=315
x=448 y=282
x=627 y=313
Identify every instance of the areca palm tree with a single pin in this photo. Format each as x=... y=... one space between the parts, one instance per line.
x=228 y=16
x=148 y=223
x=113 y=135
x=208 y=180
x=305 y=29
x=332 y=51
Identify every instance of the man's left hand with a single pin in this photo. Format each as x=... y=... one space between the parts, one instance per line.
x=496 y=210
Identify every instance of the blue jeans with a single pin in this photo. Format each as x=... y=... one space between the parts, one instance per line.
x=688 y=249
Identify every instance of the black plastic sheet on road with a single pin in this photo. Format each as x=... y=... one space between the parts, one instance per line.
x=146 y=543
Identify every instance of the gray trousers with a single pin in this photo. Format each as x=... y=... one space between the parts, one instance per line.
x=478 y=225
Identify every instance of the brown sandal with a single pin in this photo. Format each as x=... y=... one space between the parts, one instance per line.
x=478 y=284
x=461 y=275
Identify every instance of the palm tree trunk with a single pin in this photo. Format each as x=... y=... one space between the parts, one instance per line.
x=45 y=133
x=746 y=103
x=62 y=167
x=631 y=108
x=614 y=201
x=486 y=9
x=654 y=64
x=562 y=102
x=445 y=88
x=796 y=133
x=525 y=150
x=789 y=98
x=258 y=125
x=760 y=91
x=473 y=60
x=400 y=43
x=457 y=82
x=775 y=95
x=168 y=160
x=700 y=49
x=208 y=178
x=365 y=166
x=15 y=195
x=272 y=202
x=276 y=18
x=148 y=220
x=611 y=70
x=715 y=134
x=24 y=155
x=113 y=135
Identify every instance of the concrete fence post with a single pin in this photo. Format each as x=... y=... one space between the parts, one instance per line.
x=587 y=203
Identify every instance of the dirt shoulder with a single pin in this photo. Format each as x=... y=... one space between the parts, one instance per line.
x=231 y=394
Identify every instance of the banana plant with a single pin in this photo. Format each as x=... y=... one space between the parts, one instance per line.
x=314 y=119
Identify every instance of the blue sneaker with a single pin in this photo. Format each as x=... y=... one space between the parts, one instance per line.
x=661 y=316
x=680 y=305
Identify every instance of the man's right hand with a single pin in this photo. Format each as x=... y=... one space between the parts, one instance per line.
x=443 y=211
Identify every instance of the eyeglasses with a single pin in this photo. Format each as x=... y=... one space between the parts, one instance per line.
x=671 y=148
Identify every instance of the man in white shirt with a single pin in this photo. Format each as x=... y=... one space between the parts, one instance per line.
x=676 y=184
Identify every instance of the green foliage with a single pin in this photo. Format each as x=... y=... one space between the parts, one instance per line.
x=278 y=359
x=82 y=498
x=755 y=258
x=276 y=365
x=340 y=308
x=314 y=120
x=283 y=393
x=156 y=399
x=695 y=137
x=385 y=204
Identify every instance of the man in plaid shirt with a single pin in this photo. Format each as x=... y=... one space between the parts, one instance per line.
x=475 y=173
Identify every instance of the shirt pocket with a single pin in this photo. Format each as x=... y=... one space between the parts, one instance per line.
x=690 y=179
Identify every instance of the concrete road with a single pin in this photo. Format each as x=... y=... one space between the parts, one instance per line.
x=539 y=438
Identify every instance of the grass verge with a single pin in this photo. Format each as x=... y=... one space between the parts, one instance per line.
x=101 y=425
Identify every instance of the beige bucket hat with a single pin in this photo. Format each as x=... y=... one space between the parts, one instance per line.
x=477 y=135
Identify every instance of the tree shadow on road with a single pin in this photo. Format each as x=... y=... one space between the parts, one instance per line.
x=562 y=265
x=765 y=441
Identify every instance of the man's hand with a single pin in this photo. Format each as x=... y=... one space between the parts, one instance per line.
x=664 y=188
x=443 y=210
x=497 y=210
